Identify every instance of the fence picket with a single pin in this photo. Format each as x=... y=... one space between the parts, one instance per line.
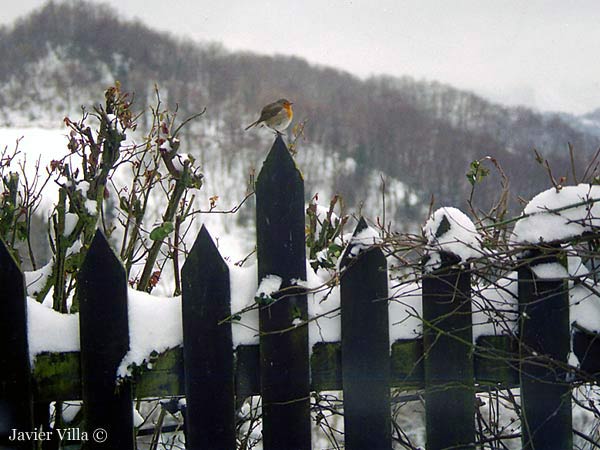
x=544 y=348
x=586 y=346
x=449 y=370
x=207 y=348
x=16 y=407
x=283 y=347
x=365 y=348
x=104 y=336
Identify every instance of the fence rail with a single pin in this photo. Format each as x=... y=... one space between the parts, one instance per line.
x=279 y=369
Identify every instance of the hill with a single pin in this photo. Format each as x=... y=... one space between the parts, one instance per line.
x=421 y=135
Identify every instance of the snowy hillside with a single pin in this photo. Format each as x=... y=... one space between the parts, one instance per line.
x=420 y=133
x=227 y=181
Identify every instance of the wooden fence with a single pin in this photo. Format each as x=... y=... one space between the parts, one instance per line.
x=215 y=378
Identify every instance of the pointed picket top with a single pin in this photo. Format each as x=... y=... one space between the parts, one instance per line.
x=7 y=260
x=279 y=160
x=101 y=255
x=10 y=273
x=280 y=212
x=359 y=243
x=15 y=381
x=13 y=286
x=104 y=337
x=281 y=251
x=365 y=341
x=204 y=254
x=209 y=374
x=362 y=225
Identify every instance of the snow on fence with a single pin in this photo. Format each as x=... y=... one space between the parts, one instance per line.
x=216 y=378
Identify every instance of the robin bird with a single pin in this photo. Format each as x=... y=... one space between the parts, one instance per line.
x=277 y=116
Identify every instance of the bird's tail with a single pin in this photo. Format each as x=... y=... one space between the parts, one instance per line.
x=253 y=124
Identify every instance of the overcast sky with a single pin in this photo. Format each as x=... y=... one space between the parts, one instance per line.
x=544 y=54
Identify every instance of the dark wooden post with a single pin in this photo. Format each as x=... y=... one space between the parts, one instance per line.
x=544 y=348
x=365 y=347
x=247 y=375
x=449 y=370
x=207 y=348
x=104 y=335
x=281 y=251
x=16 y=407
x=586 y=346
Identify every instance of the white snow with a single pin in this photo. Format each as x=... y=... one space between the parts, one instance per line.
x=155 y=322
x=243 y=287
x=405 y=311
x=364 y=240
x=42 y=144
x=83 y=186
x=179 y=160
x=50 y=331
x=36 y=279
x=70 y=223
x=137 y=417
x=495 y=307
x=553 y=216
x=112 y=120
x=268 y=286
x=91 y=206
x=585 y=307
x=321 y=213
x=551 y=270
x=70 y=410
x=155 y=325
x=323 y=307
x=461 y=238
x=323 y=304
x=576 y=267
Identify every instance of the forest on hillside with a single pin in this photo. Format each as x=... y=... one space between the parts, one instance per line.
x=423 y=133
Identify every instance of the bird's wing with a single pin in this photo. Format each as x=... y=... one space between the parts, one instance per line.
x=270 y=111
